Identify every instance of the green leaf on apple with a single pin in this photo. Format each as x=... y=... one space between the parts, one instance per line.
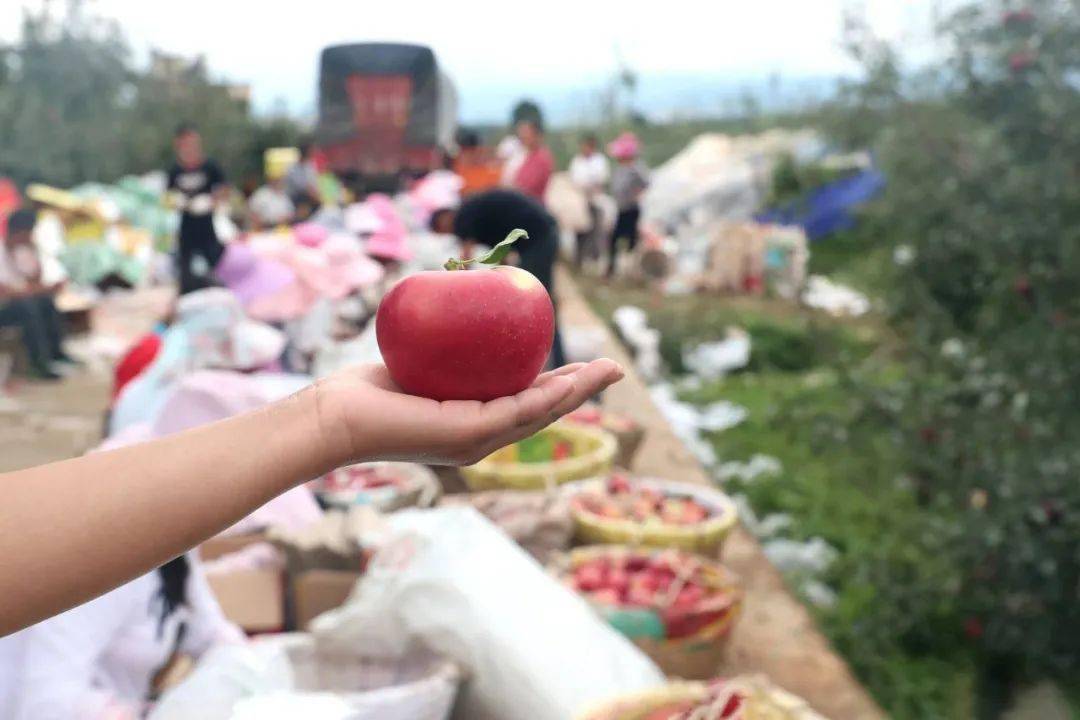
x=494 y=256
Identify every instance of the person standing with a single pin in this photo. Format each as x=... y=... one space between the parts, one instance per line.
x=536 y=164
x=302 y=183
x=488 y=217
x=589 y=172
x=477 y=171
x=628 y=182
x=199 y=185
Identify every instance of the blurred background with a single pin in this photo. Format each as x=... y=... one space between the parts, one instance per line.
x=851 y=234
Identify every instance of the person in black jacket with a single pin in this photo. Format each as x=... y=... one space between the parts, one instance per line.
x=488 y=217
x=199 y=185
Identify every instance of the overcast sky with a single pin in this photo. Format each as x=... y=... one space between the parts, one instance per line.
x=497 y=51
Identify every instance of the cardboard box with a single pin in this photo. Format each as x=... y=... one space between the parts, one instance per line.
x=316 y=591
x=220 y=545
x=253 y=599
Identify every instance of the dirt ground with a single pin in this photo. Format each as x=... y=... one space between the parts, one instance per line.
x=44 y=422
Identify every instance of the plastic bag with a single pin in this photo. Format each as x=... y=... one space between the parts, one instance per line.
x=290 y=676
x=223 y=677
x=538 y=521
x=453 y=581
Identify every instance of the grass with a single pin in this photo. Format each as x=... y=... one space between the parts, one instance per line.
x=842 y=478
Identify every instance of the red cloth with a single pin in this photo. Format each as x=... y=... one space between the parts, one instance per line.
x=137 y=359
x=9 y=202
x=535 y=172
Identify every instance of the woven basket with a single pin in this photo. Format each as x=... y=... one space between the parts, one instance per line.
x=628 y=433
x=705 y=537
x=418 y=686
x=592 y=452
x=694 y=657
x=637 y=706
x=421 y=488
x=763 y=700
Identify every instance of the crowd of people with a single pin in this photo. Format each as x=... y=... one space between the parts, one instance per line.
x=106 y=658
x=493 y=192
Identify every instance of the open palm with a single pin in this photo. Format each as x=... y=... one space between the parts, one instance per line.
x=364 y=411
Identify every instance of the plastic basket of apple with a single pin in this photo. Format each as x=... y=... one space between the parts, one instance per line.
x=386 y=486
x=679 y=608
x=651 y=512
x=627 y=431
x=561 y=453
x=744 y=697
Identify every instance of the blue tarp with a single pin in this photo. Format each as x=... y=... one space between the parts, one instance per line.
x=829 y=208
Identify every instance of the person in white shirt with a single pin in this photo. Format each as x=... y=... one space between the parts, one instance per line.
x=270 y=205
x=589 y=172
x=100 y=660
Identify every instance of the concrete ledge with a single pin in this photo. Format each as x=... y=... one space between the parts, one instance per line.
x=776 y=634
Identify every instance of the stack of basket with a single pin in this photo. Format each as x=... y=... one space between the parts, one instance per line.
x=679 y=608
x=562 y=453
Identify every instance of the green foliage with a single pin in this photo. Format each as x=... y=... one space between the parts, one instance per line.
x=73 y=108
x=661 y=141
x=983 y=204
x=782 y=340
x=792 y=181
x=843 y=481
x=807 y=393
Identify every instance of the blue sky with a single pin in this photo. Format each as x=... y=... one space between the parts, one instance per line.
x=686 y=52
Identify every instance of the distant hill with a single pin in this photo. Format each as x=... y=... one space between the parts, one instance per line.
x=658 y=97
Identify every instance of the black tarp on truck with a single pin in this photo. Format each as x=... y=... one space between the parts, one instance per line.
x=384 y=108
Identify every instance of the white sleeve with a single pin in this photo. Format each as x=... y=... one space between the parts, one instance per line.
x=603 y=170
x=207 y=625
x=579 y=172
x=61 y=654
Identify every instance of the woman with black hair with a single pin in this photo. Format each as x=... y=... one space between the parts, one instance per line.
x=99 y=661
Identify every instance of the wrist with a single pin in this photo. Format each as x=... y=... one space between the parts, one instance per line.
x=337 y=443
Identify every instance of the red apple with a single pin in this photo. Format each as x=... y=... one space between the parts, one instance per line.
x=618 y=580
x=605 y=596
x=670 y=712
x=618 y=484
x=466 y=335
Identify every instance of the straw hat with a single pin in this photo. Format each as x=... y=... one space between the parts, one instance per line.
x=54 y=197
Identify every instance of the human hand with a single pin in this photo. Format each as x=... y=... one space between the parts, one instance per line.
x=364 y=416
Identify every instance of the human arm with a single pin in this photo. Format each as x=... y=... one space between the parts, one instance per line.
x=83 y=526
x=219 y=188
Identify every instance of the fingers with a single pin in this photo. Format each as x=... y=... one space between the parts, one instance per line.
x=588 y=381
x=540 y=406
x=564 y=370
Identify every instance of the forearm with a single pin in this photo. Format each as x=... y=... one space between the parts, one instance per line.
x=115 y=515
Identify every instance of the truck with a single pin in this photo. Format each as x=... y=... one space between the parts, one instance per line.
x=386 y=110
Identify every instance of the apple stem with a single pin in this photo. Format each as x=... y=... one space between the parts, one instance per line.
x=494 y=256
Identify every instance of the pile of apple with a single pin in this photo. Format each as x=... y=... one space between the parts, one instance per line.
x=738 y=698
x=621 y=500
x=592 y=415
x=685 y=592
x=545 y=446
x=722 y=703
x=361 y=478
